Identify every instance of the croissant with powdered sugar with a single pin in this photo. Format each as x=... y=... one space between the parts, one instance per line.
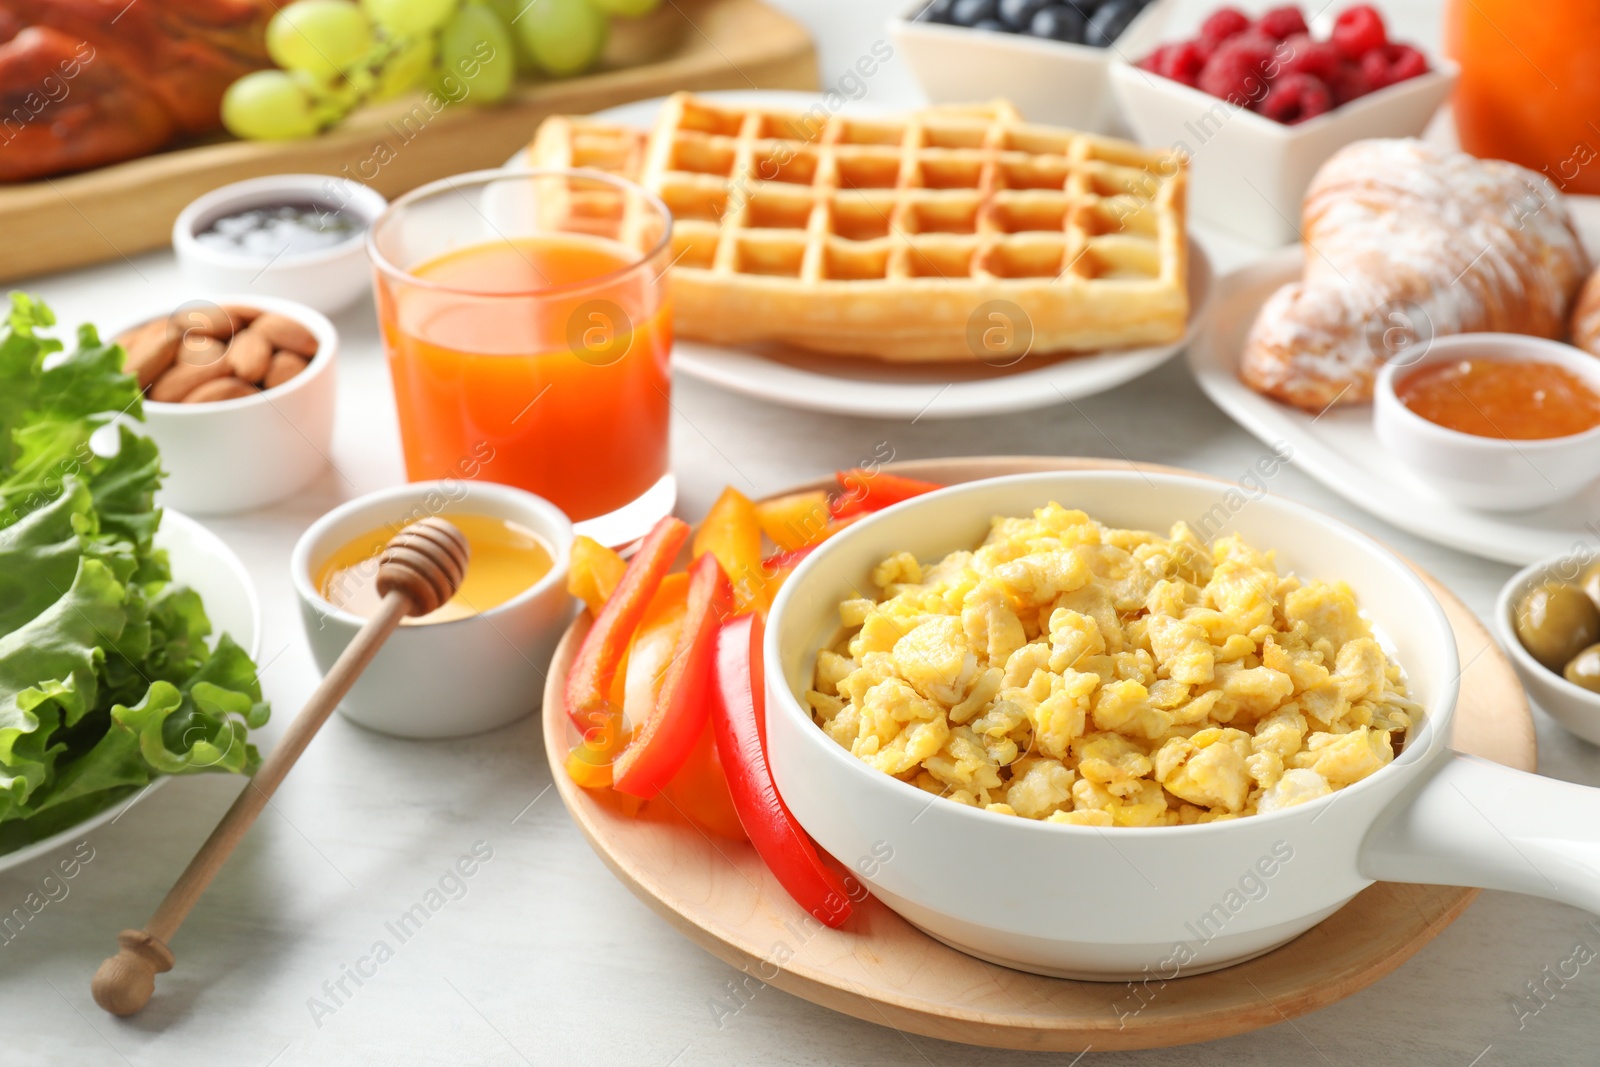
x=1404 y=241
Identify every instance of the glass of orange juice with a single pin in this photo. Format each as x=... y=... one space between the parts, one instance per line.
x=527 y=324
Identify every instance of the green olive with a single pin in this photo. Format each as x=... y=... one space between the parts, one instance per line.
x=1589 y=582
x=1555 y=622
x=1584 y=669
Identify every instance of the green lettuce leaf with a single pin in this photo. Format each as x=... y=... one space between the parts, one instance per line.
x=49 y=677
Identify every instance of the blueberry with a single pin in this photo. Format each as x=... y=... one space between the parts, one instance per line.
x=938 y=11
x=1018 y=14
x=992 y=25
x=1058 y=22
x=1086 y=8
x=1107 y=24
x=971 y=12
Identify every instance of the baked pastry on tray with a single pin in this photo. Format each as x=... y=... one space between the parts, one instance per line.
x=1401 y=233
x=881 y=236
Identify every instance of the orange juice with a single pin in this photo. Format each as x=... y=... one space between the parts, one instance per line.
x=538 y=362
x=506 y=560
x=1530 y=85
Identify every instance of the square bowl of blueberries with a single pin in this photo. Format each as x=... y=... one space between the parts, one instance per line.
x=1048 y=57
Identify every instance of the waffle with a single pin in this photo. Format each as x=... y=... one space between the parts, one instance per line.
x=886 y=236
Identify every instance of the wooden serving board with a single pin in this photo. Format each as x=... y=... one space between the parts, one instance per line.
x=117 y=211
x=884 y=970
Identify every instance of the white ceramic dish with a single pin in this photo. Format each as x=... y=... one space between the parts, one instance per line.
x=328 y=280
x=1049 y=81
x=1340 y=449
x=1247 y=173
x=203 y=562
x=993 y=885
x=1484 y=472
x=238 y=455
x=1572 y=706
x=872 y=389
x=441 y=679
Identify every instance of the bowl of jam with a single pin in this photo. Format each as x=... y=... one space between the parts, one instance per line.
x=299 y=237
x=1494 y=421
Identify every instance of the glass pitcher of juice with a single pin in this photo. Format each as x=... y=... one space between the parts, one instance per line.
x=527 y=326
x=1530 y=85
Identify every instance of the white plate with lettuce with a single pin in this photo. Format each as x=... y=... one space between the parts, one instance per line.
x=127 y=637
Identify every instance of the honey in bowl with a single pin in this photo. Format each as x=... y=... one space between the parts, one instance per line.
x=1506 y=399
x=507 y=560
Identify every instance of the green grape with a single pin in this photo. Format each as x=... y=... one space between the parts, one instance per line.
x=407 y=68
x=324 y=38
x=332 y=101
x=475 y=56
x=628 y=9
x=409 y=18
x=510 y=12
x=563 y=36
x=268 y=105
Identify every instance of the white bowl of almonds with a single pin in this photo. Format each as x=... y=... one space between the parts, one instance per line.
x=239 y=395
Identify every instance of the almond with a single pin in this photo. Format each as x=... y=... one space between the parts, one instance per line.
x=149 y=351
x=179 y=380
x=204 y=319
x=284 y=332
x=249 y=353
x=220 y=389
x=242 y=315
x=284 y=365
x=198 y=349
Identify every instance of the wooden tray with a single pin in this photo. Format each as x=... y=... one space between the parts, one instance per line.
x=884 y=970
x=114 y=212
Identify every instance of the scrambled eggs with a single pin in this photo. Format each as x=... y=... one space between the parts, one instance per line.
x=1080 y=674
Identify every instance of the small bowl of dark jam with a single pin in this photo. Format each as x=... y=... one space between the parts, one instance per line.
x=300 y=237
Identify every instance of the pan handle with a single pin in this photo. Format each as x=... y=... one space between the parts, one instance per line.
x=1477 y=823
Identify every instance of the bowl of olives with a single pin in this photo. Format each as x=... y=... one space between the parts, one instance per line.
x=1050 y=58
x=1548 y=617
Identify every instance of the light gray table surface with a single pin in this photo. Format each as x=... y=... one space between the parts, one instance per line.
x=545 y=958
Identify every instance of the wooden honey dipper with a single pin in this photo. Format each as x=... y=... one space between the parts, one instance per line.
x=420 y=568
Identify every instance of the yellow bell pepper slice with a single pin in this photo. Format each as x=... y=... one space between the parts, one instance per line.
x=732 y=533
x=593 y=573
x=796 y=520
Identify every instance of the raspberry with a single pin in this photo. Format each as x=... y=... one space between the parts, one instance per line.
x=1358 y=30
x=1295 y=98
x=1223 y=23
x=1306 y=56
x=1405 y=62
x=1375 y=68
x=1154 y=60
x=1236 y=70
x=1182 y=62
x=1348 y=83
x=1282 y=22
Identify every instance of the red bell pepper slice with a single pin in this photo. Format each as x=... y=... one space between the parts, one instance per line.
x=737 y=713
x=666 y=738
x=864 y=490
x=595 y=668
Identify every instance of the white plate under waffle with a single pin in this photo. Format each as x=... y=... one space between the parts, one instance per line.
x=1339 y=448
x=796 y=378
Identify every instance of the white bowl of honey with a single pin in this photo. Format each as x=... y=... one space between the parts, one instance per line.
x=1494 y=421
x=477 y=662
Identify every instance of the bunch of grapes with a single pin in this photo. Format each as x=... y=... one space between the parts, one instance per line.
x=334 y=55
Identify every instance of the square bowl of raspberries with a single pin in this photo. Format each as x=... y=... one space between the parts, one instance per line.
x=1258 y=104
x=1048 y=57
